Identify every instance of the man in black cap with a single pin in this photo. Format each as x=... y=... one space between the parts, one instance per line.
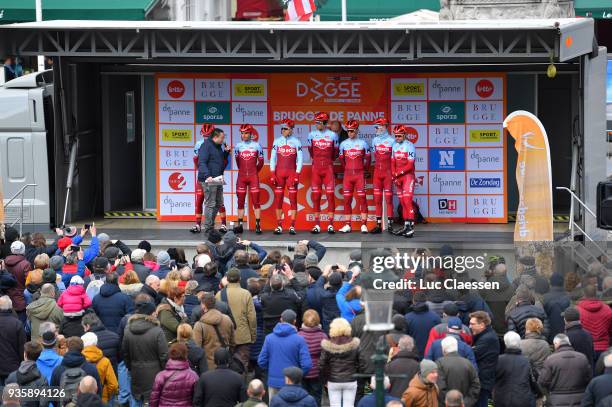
x=292 y=394
x=219 y=387
x=581 y=340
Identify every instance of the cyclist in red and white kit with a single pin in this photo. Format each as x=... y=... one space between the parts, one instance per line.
x=355 y=158
x=323 y=149
x=402 y=167
x=249 y=160
x=286 y=164
x=205 y=131
x=382 y=147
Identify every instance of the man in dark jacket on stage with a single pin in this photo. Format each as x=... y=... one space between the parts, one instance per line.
x=486 y=350
x=211 y=164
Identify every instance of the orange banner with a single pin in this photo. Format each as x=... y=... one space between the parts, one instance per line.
x=534 y=216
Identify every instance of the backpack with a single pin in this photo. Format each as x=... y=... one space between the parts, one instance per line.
x=69 y=382
x=235 y=363
x=225 y=300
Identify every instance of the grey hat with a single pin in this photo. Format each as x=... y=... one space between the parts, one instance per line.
x=311 y=260
x=355 y=255
x=137 y=255
x=112 y=252
x=571 y=314
x=103 y=237
x=289 y=316
x=56 y=262
x=230 y=238
x=426 y=367
x=163 y=258
x=18 y=247
x=49 y=276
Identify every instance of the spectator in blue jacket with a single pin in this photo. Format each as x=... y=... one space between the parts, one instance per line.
x=348 y=298
x=292 y=394
x=454 y=329
x=283 y=348
x=111 y=304
x=420 y=321
x=212 y=158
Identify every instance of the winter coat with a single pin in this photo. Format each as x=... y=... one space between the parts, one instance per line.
x=12 y=339
x=7 y=281
x=197 y=358
x=19 y=267
x=152 y=293
x=464 y=350
x=370 y=400
x=599 y=388
x=456 y=372
x=329 y=304
x=439 y=332
x=42 y=310
x=283 y=348
x=420 y=394
x=259 y=340
x=419 y=322
x=211 y=160
x=221 y=387
x=47 y=361
x=131 y=290
x=110 y=386
x=565 y=376
x=206 y=283
x=73 y=360
x=555 y=302
x=174 y=386
x=169 y=319
x=74 y=300
x=142 y=271
x=313 y=338
x=293 y=395
x=87 y=399
x=240 y=302
x=471 y=302
x=514 y=381
x=596 y=318
x=517 y=318
x=71 y=326
x=368 y=341
x=191 y=302
x=205 y=336
x=108 y=342
x=404 y=362
x=486 y=350
x=339 y=359
x=251 y=402
x=144 y=350
x=274 y=303
x=535 y=348
x=111 y=305
x=581 y=340
x=497 y=300
x=28 y=376
x=246 y=272
x=348 y=309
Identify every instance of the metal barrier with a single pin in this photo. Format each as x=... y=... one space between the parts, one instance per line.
x=19 y=194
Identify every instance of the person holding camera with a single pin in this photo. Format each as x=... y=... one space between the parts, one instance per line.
x=280 y=297
x=328 y=286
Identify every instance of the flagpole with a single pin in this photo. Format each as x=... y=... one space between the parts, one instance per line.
x=343 y=10
x=41 y=58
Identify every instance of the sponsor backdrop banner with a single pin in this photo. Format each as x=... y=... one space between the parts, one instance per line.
x=534 y=217
x=454 y=120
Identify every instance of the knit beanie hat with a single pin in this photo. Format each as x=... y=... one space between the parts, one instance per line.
x=426 y=367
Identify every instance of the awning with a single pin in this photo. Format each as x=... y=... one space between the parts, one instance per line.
x=599 y=9
x=366 y=10
x=12 y=11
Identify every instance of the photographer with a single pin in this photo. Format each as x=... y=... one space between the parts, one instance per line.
x=328 y=286
x=279 y=296
x=301 y=251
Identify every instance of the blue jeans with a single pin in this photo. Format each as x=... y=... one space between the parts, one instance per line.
x=314 y=387
x=125 y=383
x=483 y=400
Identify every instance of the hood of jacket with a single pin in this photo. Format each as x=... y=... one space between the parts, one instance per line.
x=342 y=347
x=76 y=290
x=418 y=383
x=93 y=354
x=292 y=393
x=420 y=307
x=89 y=400
x=14 y=259
x=177 y=365
x=42 y=308
x=73 y=359
x=284 y=329
x=108 y=290
x=591 y=305
x=27 y=372
x=48 y=357
x=212 y=317
x=139 y=324
x=133 y=288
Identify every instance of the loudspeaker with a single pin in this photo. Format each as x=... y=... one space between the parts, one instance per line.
x=604 y=204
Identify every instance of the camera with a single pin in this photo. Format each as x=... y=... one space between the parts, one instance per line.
x=290 y=248
x=75 y=248
x=87 y=226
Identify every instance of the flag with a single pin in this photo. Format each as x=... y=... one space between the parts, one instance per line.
x=299 y=10
x=534 y=219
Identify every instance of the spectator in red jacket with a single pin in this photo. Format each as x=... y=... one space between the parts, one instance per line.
x=312 y=332
x=596 y=319
x=74 y=300
x=439 y=331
